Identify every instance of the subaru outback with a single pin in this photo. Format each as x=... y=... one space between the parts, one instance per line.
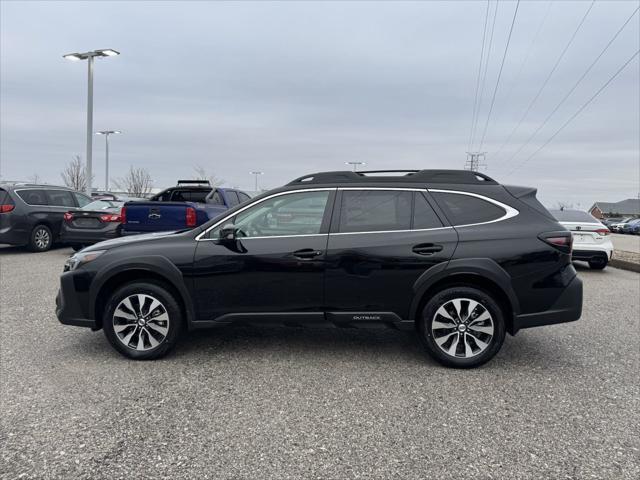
x=452 y=255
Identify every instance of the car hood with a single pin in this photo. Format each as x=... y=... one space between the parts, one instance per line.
x=116 y=242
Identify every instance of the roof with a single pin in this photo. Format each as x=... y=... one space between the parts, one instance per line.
x=630 y=206
x=401 y=176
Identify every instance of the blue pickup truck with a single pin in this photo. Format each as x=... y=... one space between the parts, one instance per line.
x=187 y=205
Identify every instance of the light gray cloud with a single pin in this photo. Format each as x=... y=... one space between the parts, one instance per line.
x=289 y=88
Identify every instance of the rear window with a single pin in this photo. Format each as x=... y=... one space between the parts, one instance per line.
x=466 y=210
x=33 y=197
x=5 y=198
x=232 y=197
x=573 y=216
x=216 y=198
x=423 y=214
x=375 y=210
x=198 y=196
x=60 y=198
x=103 y=205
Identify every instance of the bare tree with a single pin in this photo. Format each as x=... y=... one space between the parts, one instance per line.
x=137 y=182
x=35 y=178
x=203 y=174
x=74 y=175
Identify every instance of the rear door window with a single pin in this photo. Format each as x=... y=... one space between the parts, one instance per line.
x=423 y=214
x=33 y=197
x=60 y=198
x=466 y=210
x=375 y=210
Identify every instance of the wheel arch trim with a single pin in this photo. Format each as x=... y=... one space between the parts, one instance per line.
x=157 y=266
x=481 y=268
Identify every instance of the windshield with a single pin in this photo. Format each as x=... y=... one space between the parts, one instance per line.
x=103 y=205
x=573 y=216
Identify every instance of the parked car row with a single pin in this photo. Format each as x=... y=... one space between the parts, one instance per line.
x=629 y=225
x=40 y=215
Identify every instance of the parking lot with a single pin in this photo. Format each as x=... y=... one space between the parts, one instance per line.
x=557 y=402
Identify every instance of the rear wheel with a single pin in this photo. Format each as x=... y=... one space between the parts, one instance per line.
x=598 y=263
x=462 y=327
x=142 y=321
x=41 y=239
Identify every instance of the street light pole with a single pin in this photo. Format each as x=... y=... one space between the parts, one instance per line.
x=106 y=134
x=90 y=56
x=89 y=173
x=256 y=175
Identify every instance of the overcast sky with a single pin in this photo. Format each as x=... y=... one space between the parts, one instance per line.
x=292 y=88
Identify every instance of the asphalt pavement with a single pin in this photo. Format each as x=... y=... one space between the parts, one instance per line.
x=557 y=402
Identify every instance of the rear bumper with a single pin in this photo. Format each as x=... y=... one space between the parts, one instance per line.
x=567 y=308
x=587 y=255
x=12 y=236
x=88 y=237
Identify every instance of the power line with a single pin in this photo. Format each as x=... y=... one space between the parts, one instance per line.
x=593 y=97
x=475 y=101
x=495 y=90
x=568 y=94
x=525 y=59
x=550 y=74
x=484 y=76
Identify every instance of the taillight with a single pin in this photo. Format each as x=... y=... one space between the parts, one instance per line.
x=6 y=208
x=562 y=241
x=603 y=231
x=191 y=217
x=123 y=215
x=68 y=217
x=114 y=217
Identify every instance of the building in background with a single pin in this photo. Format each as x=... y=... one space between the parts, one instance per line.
x=625 y=208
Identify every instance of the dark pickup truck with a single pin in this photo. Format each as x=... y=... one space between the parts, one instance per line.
x=187 y=205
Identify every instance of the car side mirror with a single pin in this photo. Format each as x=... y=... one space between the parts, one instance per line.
x=228 y=233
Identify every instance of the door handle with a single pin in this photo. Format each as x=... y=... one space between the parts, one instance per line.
x=307 y=253
x=426 y=249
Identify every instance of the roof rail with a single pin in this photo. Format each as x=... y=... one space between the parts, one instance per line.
x=410 y=176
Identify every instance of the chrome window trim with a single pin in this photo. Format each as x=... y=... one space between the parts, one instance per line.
x=303 y=190
x=510 y=212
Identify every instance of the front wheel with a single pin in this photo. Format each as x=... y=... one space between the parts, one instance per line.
x=462 y=327
x=142 y=321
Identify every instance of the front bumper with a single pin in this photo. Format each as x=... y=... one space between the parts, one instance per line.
x=567 y=308
x=72 y=301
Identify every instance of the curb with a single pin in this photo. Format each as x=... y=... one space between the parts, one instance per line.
x=624 y=265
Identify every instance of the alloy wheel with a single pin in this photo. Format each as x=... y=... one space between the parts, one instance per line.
x=141 y=322
x=42 y=238
x=462 y=328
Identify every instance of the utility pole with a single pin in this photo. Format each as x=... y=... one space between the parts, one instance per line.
x=475 y=161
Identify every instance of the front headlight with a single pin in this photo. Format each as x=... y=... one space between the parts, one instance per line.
x=81 y=258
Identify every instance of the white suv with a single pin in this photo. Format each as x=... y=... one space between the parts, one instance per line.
x=591 y=241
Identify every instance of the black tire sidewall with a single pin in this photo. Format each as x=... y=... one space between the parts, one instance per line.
x=173 y=310
x=597 y=264
x=444 y=296
x=32 y=239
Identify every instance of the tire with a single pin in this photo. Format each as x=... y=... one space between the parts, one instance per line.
x=77 y=247
x=470 y=349
x=40 y=239
x=598 y=264
x=128 y=330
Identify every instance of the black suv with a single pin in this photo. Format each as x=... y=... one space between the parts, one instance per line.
x=32 y=214
x=452 y=254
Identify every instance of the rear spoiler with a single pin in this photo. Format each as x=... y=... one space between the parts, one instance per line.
x=527 y=195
